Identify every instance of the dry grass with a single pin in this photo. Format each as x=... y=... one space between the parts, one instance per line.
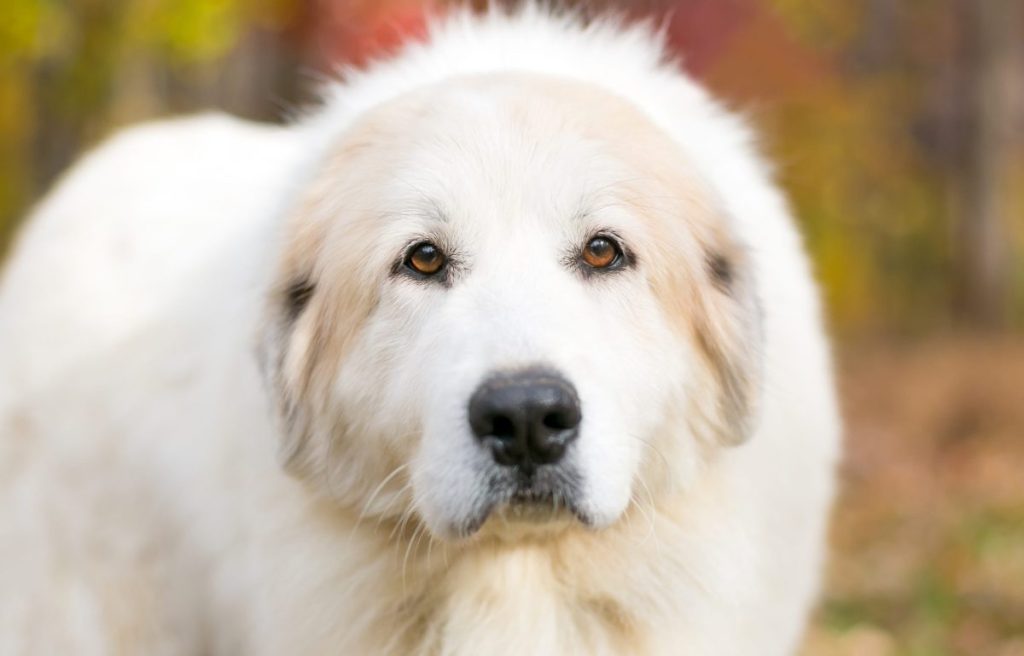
x=928 y=536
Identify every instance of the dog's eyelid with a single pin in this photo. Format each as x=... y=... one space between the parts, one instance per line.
x=624 y=257
x=405 y=267
x=426 y=258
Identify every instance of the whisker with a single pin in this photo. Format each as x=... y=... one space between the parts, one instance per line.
x=664 y=460
x=408 y=550
x=405 y=488
x=373 y=496
x=652 y=527
x=400 y=525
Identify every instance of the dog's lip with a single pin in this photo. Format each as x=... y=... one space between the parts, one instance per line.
x=527 y=507
x=536 y=509
x=532 y=497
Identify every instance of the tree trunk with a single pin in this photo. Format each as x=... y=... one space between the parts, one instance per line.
x=995 y=70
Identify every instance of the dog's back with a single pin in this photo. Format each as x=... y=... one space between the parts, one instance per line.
x=109 y=287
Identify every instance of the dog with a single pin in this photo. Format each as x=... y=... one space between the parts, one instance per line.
x=510 y=346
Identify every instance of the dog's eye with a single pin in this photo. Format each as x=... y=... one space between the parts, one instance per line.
x=426 y=258
x=602 y=252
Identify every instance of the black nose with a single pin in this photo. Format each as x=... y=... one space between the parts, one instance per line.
x=525 y=418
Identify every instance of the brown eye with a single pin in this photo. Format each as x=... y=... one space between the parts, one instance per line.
x=601 y=253
x=426 y=259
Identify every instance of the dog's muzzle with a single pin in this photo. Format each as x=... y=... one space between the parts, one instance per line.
x=527 y=420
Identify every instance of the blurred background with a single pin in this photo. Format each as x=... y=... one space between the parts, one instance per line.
x=898 y=130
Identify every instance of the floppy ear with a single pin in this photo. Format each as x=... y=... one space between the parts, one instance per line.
x=729 y=333
x=705 y=281
x=313 y=312
x=322 y=294
x=285 y=348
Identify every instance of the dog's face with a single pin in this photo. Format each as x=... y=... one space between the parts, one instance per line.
x=508 y=295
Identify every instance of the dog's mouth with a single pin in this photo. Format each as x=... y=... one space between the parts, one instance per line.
x=534 y=507
x=538 y=503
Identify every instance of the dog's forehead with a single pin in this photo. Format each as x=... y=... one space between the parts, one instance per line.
x=527 y=144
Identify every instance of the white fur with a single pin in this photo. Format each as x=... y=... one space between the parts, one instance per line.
x=144 y=504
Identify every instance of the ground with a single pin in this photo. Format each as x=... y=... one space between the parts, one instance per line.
x=928 y=534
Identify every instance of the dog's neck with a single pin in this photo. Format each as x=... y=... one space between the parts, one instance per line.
x=571 y=590
x=537 y=588
x=391 y=588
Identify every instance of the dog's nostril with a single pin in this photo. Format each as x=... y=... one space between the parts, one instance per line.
x=503 y=427
x=525 y=418
x=560 y=421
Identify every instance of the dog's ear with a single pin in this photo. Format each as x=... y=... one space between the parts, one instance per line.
x=285 y=346
x=323 y=291
x=314 y=310
x=728 y=330
x=705 y=279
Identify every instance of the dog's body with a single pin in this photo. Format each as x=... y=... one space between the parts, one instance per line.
x=145 y=502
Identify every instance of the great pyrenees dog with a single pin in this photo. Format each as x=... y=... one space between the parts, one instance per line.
x=510 y=347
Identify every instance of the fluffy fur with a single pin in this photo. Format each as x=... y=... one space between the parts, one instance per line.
x=231 y=424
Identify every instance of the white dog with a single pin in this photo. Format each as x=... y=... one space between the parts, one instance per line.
x=510 y=348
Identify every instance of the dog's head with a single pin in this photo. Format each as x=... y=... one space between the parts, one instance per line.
x=507 y=294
